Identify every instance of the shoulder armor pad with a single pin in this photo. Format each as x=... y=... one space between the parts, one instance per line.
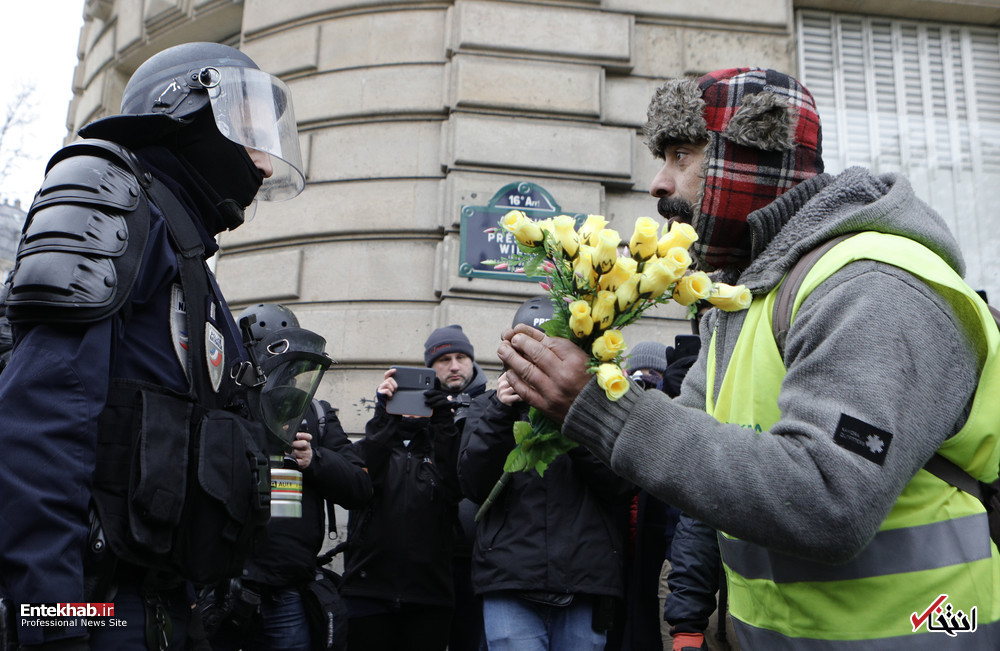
x=84 y=237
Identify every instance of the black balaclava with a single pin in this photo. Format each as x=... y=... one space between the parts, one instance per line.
x=222 y=167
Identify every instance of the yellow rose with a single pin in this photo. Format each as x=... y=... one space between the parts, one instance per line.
x=643 y=244
x=580 y=321
x=657 y=277
x=628 y=293
x=546 y=225
x=608 y=346
x=564 y=228
x=590 y=229
x=526 y=231
x=680 y=258
x=603 y=310
x=680 y=234
x=583 y=267
x=612 y=380
x=607 y=250
x=693 y=287
x=730 y=298
x=623 y=269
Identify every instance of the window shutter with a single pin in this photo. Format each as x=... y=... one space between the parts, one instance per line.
x=918 y=98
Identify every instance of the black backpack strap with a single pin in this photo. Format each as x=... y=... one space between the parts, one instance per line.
x=781 y=318
x=331 y=515
x=194 y=282
x=944 y=469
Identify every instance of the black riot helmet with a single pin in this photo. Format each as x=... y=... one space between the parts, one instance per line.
x=250 y=108
x=267 y=318
x=290 y=363
x=534 y=312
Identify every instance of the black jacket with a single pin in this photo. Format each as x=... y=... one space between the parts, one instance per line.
x=400 y=543
x=287 y=557
x=556 y=533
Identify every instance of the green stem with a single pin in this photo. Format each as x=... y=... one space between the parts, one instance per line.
x=494 y=494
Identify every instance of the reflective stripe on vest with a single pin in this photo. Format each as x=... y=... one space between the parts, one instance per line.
x=935 y=539
x=987 y=637
x=909 y=549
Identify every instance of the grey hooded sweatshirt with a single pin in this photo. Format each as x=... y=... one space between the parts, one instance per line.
x=871 y=341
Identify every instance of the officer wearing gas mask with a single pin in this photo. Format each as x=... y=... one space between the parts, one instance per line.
x=264 y=609
x=132 y=466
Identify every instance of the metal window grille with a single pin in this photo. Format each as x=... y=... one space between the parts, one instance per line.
x=918 y=98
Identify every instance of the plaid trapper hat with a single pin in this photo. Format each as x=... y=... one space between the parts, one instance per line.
x=763 y=134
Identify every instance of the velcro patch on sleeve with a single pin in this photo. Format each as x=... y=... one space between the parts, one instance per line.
x=861 y=438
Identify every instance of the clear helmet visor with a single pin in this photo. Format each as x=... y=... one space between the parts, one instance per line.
x=293 y=361
x=286 y=395
x=254 y=109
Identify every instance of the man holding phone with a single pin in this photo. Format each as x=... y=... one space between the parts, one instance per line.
x=398 y=572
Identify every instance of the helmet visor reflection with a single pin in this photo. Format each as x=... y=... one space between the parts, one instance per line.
x=287 y=393
x=254 y=109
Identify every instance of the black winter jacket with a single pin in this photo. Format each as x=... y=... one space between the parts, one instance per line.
x=557 y=533
x=400 y=544
x=287 y=557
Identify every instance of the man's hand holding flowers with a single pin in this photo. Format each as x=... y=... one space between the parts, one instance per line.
x=546 y=372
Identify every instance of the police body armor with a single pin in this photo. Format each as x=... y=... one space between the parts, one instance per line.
x=181 y=483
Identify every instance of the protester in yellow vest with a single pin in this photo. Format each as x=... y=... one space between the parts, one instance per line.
x=808 y=458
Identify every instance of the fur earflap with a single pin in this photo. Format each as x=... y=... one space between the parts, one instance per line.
x=675 y=114
x=764 y=121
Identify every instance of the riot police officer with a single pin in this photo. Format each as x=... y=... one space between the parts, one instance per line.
x=131 y=465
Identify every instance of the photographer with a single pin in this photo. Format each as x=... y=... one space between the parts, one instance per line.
x=398 y=573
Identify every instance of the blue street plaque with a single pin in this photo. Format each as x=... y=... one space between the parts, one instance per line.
x=483 y=239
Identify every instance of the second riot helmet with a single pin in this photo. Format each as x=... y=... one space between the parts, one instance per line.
x=534 y=312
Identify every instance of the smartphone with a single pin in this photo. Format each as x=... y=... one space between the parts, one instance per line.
x=408 y=400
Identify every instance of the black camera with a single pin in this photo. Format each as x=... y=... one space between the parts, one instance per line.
x=461 y=402
x=230 y=605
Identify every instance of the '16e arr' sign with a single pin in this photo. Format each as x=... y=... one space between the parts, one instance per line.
x=484 y=243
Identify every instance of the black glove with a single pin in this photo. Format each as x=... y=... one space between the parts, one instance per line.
x=440 y=401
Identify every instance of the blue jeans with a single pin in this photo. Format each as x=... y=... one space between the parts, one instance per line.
x=282 y=626
x=515 y=624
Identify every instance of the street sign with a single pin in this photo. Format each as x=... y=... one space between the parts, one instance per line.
x=484 y=240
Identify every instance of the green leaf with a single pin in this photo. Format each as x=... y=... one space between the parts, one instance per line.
x=557 y=328
x=522 y=429
x=516 y=461
x=533 y=267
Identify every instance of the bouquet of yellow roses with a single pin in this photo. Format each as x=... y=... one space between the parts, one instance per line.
x=599 y=284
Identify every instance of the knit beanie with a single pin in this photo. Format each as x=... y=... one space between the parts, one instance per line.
x=449 y=339
x=647 y=354
x=763 y=134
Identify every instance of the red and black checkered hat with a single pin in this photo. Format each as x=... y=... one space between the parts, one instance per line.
x=763 y=134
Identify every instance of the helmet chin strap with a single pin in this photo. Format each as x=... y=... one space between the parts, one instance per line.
x=232 y=215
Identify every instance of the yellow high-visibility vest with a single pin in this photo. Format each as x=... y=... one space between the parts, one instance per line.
x=935 y=540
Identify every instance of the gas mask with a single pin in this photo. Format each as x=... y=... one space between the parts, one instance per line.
x=282 y=376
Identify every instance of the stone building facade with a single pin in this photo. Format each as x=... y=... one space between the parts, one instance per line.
x=11 y=220
x=410 y=110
